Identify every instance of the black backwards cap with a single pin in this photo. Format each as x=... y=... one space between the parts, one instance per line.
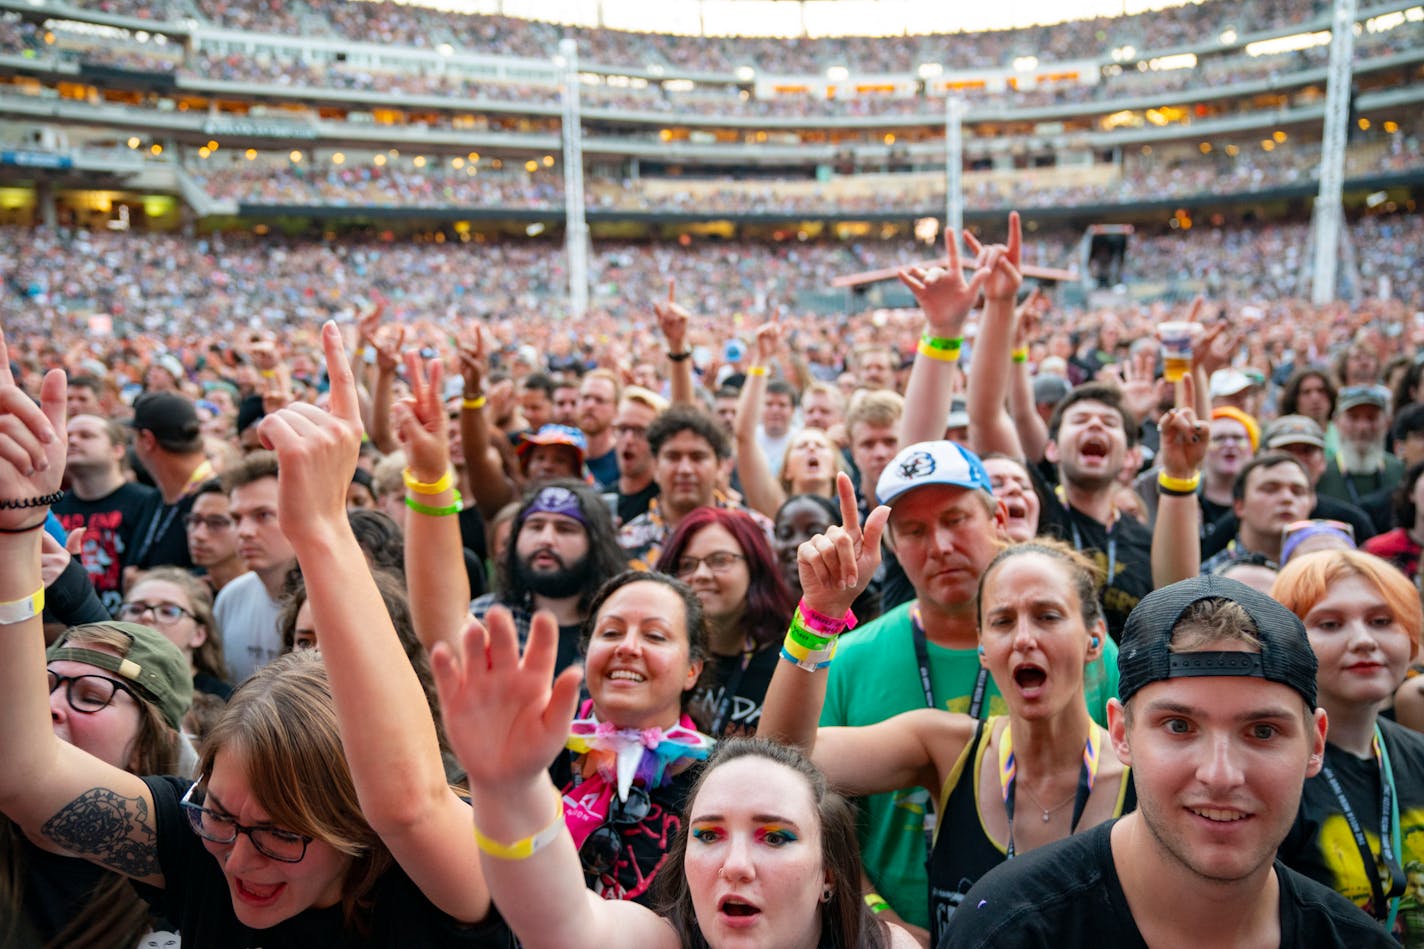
x=1145 y=655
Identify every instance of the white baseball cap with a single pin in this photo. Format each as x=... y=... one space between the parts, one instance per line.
x=931 y=463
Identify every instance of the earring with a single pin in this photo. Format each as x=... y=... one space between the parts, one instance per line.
x=1093 y=641
x=826 y=895
x=981 y=650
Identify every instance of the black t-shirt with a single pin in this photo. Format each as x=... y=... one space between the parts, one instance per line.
x=161 y=539
x=645 y=844
x=1321 y=845
x=1068 y=894
x=630 y=506
x=749 y=684
x=1128 y=545
x=196 y=897
x=110 y=523
x=56 y=890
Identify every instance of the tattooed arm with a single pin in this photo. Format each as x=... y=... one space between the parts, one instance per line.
x=54 y=791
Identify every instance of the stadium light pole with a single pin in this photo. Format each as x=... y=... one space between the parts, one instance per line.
x=954 y=165
x=1329 y=213
x=575 y=225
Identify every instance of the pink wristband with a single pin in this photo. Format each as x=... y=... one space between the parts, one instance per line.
x=819 y=622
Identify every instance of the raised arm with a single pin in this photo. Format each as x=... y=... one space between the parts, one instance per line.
x=946 y=299
x=386 y=730
x=491 y=487
x=507 y=718
x=760 y=487
x=673 y=320
x=388 y=349
x=1176 y=553
x=434 y=557
x=991 y=429
x=1032 y=432
x=835 y=568
x=54 y=791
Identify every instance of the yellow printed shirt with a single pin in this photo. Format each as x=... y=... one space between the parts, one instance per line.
x=1321 y=845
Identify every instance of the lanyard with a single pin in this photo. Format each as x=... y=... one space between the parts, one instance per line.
x=1008 y=778
x=156 y=530
x=729 y=694
x=1389 y=835
x=922 y=659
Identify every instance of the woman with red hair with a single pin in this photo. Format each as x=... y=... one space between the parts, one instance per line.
x=726 y=559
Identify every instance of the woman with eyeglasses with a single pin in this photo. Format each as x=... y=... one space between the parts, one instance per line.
x=180 y=606
x=128 y=721
x=724 y=557
x=1360 y=827
x=632 y=754
x=320 y=814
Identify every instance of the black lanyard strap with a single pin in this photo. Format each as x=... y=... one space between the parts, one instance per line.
x=922 y=659
x=1382 y=900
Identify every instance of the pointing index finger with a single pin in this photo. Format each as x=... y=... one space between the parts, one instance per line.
x=850 y=514
x=343 y=384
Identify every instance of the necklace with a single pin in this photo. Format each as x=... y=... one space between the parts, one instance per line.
x=1048 y=812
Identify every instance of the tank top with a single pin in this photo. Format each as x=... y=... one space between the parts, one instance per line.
x=963 y=852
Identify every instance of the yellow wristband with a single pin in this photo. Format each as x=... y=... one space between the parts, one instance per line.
x=876 y=902
x=1171 y=485
x=475 y=404
x=432 y=487
x=943 y=355
x=529 y=846
x=268 y=373
x=756 y=370
x=1019 y=355
x=17 y=611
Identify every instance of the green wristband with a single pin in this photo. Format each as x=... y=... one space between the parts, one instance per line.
x=946 y=343
x=419 y=508
x=799 y=634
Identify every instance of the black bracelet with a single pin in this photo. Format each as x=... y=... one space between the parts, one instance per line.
x=42 y=501
x=1174 y=493
x=683 y=356
x=22 y=530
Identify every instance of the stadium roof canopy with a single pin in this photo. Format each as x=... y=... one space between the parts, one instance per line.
x=814 y=18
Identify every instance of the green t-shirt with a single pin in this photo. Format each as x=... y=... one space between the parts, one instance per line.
x=875 y=677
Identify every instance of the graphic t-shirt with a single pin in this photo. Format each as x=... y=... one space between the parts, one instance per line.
x=109 y=524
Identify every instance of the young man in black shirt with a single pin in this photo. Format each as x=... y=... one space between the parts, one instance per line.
x=1218 y=720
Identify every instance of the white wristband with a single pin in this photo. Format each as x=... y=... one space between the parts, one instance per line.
x=17 y=611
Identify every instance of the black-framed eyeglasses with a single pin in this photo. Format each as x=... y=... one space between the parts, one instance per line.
x=280 y=845
x=163 y=612
x=602 y=848
x=88 y=693
x=718 y=562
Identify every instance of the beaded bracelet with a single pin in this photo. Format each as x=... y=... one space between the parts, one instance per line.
x=455 y=508
x=1177 y=487
x=529 y=846
x=438 y=486
x=44 y=500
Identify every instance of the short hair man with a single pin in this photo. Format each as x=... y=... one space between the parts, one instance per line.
x=1271 y=491
x=943 y=512
x=85 y=396
x=636 y=486
x=561 y=550
x=554 y=451
x=778 y=411
x=248 y=608
x=536 y=399
x=168 y=442
x=103 y=502
x=566 y=400
x=212 y=535
x=1362 y=472
x=598 y=402
x=877 y=367
x=1219 y=723
x=690 y=452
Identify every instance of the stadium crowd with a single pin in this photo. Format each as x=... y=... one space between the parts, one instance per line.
x=257 y=481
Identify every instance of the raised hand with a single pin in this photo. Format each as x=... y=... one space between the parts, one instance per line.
x=387 y=346
x=316 y=450
x=505 y=720
x=1001 y=261
x=1029 y=316
x=1184 y=436
x=672 y=321
x=33 y=444
x=942 y=292
x=836 y=566
x=472 y=352
x=768 y=338
x=277 y=389
x=420 y=420
x=1139 y=386
x=368 y=323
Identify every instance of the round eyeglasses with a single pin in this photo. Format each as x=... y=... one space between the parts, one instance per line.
x=88 y=693
x=283 y=846
x=163 y=612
